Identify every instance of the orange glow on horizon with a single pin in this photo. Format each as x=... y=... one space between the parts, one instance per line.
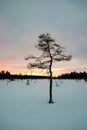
x=56 y=72
x=24 y=70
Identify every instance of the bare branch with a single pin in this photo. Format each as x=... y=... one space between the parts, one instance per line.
x=63 y=58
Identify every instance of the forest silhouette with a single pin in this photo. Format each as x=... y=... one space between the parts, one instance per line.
x=72 y=75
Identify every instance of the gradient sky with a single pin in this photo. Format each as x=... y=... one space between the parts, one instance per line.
x=22 y=21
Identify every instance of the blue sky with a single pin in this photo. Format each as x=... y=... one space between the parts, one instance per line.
x=21 y=22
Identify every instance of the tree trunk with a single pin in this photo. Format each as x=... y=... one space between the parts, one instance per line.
x=50 y=89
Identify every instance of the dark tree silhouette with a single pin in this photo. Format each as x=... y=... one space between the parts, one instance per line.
x=51 y=52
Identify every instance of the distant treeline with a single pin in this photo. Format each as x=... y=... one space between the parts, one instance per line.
x=7 y=75
x=74 y=75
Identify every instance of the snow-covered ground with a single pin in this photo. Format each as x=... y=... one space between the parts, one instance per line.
x=24 y=107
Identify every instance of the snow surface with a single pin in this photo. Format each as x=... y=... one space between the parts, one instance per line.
x=26 y=107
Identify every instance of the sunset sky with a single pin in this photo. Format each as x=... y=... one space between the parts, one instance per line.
x=22 y=21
